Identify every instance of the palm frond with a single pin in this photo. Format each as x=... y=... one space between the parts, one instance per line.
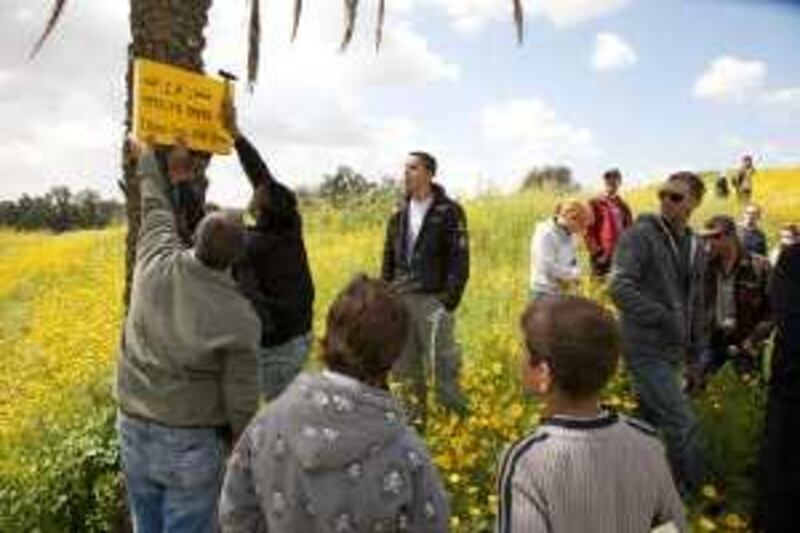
x=298 y=10
x=379 y=29
x=253 y=43
x=55 y=15
x=351 y=9
x=519 y=20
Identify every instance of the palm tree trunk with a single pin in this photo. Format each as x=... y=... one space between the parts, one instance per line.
x=169 y=31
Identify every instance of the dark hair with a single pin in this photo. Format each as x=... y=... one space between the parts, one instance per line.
x=722 y=223
x=612 y=174
x=219 y=240
x=428 y=161
x=366 y=329
x=577 y=337
x=692 y=180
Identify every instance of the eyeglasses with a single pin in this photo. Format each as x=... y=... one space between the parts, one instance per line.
x=674 y=197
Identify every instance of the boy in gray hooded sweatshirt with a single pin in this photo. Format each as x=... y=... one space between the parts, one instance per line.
x=333 y=453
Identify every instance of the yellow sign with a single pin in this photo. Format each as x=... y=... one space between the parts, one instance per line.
x=171 y=103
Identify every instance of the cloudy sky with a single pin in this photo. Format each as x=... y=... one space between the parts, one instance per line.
x=646 y=85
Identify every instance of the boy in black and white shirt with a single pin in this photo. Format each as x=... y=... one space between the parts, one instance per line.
x=584 y=468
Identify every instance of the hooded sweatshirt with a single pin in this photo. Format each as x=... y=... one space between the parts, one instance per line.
x=332 y=455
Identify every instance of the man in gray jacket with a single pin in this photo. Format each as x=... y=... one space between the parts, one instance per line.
x=657 y=284
x=186 y=377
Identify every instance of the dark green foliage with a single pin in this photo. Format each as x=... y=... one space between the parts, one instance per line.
x=68 y=482
x=59 y=210
x=731 y=412
x=347 y=188
x=557 y=178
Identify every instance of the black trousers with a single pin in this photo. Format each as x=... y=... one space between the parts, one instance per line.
x=779 y=473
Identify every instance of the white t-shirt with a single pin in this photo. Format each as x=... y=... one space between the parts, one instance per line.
x=416 y=214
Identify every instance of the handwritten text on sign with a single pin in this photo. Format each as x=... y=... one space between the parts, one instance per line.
x=171 y=103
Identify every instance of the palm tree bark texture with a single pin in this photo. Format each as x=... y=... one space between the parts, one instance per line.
x=168 y=31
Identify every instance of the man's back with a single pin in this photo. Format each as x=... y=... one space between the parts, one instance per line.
x=606 y=474
x=188 y=352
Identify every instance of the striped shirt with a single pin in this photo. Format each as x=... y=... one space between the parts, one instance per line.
x=604 y=474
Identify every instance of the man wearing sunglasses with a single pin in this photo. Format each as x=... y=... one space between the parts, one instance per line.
x=657 y=284
x=736 y=300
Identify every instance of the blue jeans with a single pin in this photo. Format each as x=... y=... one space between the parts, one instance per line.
x=279 y=365
x=173 y=475
x=662 y=403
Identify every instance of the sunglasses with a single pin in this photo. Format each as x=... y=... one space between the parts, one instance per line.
x=715 y=236
x=674 y=197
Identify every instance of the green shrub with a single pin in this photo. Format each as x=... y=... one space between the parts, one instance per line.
x=66 y=481
x=731 y=413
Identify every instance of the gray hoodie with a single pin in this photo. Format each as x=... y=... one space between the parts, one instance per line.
x=660 y=302
x=332 y=455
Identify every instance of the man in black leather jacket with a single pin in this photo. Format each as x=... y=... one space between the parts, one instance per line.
x=426 y=257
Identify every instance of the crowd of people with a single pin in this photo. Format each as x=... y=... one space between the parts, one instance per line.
x=219 y=324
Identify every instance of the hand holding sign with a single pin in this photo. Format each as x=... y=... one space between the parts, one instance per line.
x=170 y=102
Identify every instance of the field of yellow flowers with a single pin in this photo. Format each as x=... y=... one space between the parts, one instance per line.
x=60 y=315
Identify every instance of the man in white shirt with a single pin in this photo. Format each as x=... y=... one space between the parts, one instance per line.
x=426 y=258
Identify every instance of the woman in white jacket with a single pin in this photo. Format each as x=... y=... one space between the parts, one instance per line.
x=554 y=260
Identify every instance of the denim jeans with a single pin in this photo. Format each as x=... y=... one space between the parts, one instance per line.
x=662 y=403
x=173 y=475
x=279 y=365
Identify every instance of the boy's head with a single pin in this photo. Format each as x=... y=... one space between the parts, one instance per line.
x=571 y=347
x=366 y=330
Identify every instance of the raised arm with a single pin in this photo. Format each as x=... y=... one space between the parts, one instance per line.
x=158 y=234
x=252 y=163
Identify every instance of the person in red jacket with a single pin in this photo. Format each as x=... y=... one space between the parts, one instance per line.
x=611 y=216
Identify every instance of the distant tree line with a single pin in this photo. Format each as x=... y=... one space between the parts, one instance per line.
x=60 y=210
x=557 y=178
x=346 y=187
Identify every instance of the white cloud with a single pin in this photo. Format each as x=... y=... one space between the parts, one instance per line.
x=525 y=132
x=783 y=99
x=611 y=52
x=472 y=15
x=731 y=80
x=405 y=60
x=569 y=12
